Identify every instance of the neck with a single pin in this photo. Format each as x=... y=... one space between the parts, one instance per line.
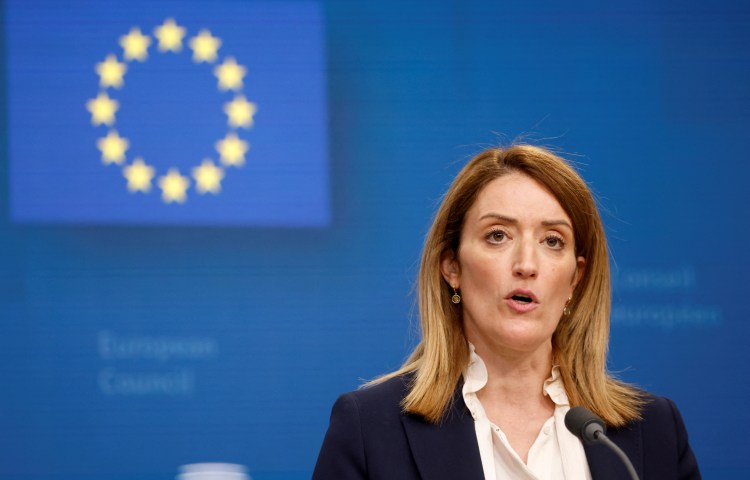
x=516 y=375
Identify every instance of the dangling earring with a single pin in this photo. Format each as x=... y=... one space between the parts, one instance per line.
x=566 y=309
x=456 y=298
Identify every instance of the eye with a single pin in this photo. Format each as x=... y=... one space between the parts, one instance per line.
x=497 y=236
x=554 y=241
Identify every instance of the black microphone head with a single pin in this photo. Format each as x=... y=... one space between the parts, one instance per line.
x=584 y=424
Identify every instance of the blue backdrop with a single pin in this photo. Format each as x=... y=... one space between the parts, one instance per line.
x=140 y=337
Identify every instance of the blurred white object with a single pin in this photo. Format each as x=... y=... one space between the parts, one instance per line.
x=213 y=471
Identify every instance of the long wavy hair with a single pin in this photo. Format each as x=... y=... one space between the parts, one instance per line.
x=580 y=342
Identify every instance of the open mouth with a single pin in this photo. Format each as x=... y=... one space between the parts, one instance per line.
x=522 y=298
x=522 y=301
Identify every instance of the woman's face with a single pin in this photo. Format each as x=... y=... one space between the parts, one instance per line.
x=516 y=266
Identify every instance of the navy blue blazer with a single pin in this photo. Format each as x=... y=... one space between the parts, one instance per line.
x=369 y=437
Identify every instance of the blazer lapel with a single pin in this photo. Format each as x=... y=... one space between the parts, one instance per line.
x=446 y=450
x=605 y=465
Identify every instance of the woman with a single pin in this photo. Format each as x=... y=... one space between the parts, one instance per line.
x=514 y=301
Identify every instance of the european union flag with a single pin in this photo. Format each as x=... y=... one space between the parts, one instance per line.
x=140 y=112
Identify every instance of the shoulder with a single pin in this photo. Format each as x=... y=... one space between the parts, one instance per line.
x=378 y=400
x=661 y=419
x=659 y=441
x=656 y=407
x=660 y=422
x=366 y=437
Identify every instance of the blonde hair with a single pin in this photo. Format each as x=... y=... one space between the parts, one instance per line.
x=580 y=341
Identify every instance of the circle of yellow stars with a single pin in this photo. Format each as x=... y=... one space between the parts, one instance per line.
x=139 y=174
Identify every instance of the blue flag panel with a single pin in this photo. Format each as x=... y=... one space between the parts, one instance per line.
x=181 y=113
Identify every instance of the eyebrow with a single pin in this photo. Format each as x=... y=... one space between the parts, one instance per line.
x=513 y=221
x=497 y=216
x=556 y=223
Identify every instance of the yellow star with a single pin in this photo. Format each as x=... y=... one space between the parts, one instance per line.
x=170 y=36
x=208 y=177
x=102 y=109
x=232 y=150
x=113 y=148
x=110 y=72
x=240 y=112
x=205 y=47
x=230 y=74
x=135 y=45
x=139 y=176
x=173 y=186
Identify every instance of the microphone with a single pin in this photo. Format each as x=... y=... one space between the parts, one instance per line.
x=591 y=430
x=585 y=425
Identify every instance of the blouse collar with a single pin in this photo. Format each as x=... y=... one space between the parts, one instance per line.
x=475 y=378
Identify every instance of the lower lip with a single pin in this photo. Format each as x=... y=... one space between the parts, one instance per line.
x=520 y=307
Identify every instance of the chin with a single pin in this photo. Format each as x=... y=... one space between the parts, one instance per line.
x=523 y=341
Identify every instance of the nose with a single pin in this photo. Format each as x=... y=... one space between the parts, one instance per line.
x=525 y=262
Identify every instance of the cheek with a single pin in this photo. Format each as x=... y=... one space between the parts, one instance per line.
x=481 y=273
x=560 y=278
x=573 y=273
x=566 y=279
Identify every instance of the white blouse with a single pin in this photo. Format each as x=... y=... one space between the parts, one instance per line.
x=555 y=454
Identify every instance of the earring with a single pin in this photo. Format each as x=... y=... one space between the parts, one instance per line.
x=566 y=309
x=456 y=298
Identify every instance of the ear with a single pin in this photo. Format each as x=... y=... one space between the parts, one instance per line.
x=580 y=269
x=450 y=268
